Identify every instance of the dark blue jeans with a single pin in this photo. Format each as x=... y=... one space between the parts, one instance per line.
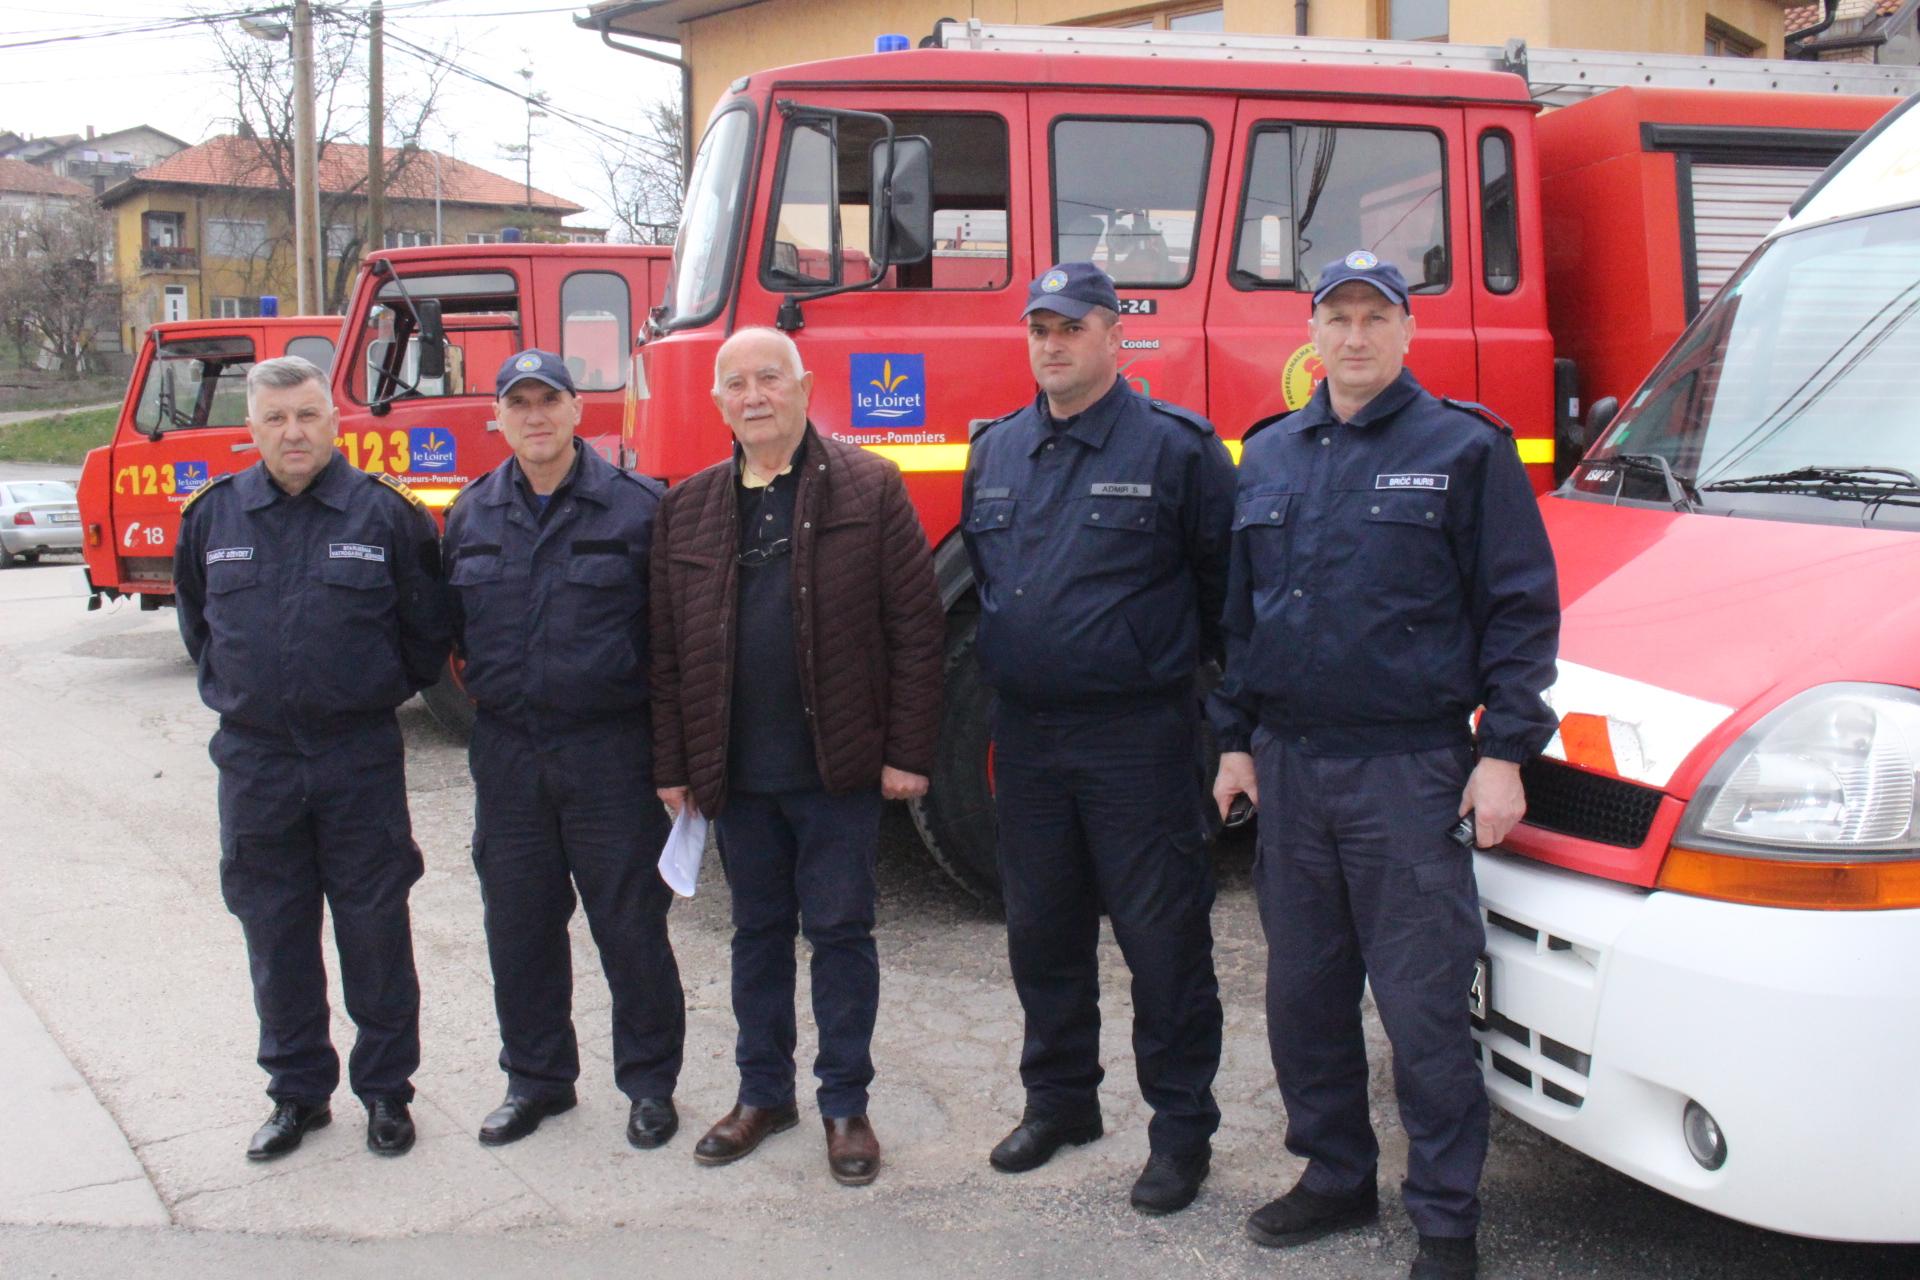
x=1102 y=809
x=549 y=815
x=297 y=831
x=1358 y=883
x=803 y=862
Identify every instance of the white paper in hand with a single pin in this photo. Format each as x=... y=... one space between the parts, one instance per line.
x=686 y=843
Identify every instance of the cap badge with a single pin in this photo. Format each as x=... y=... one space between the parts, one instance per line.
x=1361 y=260
x=1054 y=281
x=527 y=364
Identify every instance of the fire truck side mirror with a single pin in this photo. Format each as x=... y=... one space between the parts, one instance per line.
x=903 y=187
x=1599 y=417
x=432 y=342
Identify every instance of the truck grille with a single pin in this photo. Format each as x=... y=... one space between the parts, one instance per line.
x=1590 y=806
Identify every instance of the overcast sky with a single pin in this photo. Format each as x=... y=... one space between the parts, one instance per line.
x=173 y=80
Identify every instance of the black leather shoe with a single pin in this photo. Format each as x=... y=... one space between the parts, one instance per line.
x=389 y=1127
x=652 y=1122
x=1035 y=1139
x=1170 y=1182
x=290 y=1122
x=1446 y=1258
x=517 y=1117
x=1302 y=1215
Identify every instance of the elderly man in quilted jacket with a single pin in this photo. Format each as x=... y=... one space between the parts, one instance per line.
x=797 y=638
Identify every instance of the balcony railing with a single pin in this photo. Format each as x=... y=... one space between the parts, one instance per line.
x=169 y=258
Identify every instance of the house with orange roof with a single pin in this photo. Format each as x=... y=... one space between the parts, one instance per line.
x=208 y=231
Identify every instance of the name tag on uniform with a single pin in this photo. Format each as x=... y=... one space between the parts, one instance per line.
x=1123 y=491
x=1410 y=480
x=995 y=491
x=356 y=551
x=219 y=554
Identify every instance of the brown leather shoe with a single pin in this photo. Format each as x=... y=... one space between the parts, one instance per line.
x=741 y=1130
x=853 y=1152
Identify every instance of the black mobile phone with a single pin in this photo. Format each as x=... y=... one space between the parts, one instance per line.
x=1239 y=811
x=1461 y=832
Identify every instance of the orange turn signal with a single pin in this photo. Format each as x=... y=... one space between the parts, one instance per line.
x=1866 y=885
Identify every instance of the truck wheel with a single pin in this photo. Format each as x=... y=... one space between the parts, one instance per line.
x=955 y=817
x=447 y=699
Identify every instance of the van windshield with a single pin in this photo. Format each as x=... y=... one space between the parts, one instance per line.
x=703 y=252
x=1791 y=395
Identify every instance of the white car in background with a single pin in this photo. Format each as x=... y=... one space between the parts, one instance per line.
x=37 y=517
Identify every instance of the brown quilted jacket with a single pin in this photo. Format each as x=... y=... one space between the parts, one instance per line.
x=867 y=623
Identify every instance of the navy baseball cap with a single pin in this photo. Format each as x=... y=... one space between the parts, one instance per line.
x=540 y=366
x=1072 y=289
x=1363 y=265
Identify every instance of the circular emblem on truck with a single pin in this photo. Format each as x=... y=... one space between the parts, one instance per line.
x=1362 y=260
x=1054 y=281
x=1302 y=373
x=527 y=364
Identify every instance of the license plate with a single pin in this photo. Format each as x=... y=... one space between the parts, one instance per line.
x=66 y=517
x=1480 y=994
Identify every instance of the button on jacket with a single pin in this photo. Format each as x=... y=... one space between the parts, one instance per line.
x=1099 y=549
x=1389 y=575
x=311 y=613
x=552 y=608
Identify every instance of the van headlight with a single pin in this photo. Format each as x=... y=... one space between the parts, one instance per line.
x=1832 y=770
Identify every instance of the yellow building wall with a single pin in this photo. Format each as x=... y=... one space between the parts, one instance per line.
x=777 y=33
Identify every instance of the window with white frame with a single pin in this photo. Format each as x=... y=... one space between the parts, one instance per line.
x=405 y=239
x=235 y=308
x=340 y=238
x=483 y=237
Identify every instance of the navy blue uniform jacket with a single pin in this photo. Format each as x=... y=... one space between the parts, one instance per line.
x=1099 y=550
x=1389 y=576
x=552 y=615
x=314 y=613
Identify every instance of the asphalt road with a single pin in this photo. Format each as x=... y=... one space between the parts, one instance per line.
x=129 y=969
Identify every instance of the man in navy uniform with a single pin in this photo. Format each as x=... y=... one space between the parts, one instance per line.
x=312 y=602
x=547 y=555
x=1390 y=576
x=1097 y=525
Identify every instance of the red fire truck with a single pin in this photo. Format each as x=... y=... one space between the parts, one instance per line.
x=417 y=411
x=183 y=421
x=889 y=210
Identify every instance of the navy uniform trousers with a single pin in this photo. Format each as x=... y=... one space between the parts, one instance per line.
x=551 y=813
x=1101 y=808
x=803 y=862
x=296 y=830
x=1358 y=882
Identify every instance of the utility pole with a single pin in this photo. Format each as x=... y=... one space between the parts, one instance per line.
x=309 y=239
x=376 y=132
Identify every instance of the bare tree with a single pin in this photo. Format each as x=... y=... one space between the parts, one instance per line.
x=643 y=181
x=55 y=289
x=262 y=73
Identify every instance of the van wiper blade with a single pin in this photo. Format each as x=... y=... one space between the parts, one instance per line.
x=1679 y=491
x=1834 y=482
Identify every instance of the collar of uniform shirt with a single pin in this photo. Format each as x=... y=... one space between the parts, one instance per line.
x=525 y=488
x=258 y=489
x=750 y=480
x=1090 y=426
x=1318 y=412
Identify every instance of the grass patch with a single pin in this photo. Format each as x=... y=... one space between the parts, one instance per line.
x=28 y=388
x=59 y=437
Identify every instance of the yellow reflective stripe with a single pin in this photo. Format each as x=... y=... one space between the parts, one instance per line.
x=923 y=457
x=1534 y=450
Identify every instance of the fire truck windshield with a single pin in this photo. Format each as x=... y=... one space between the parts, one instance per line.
x=195 y=382
x=711 y=220
x=1792 y=392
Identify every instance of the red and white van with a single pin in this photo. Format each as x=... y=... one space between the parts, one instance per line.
x=1703 y=942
